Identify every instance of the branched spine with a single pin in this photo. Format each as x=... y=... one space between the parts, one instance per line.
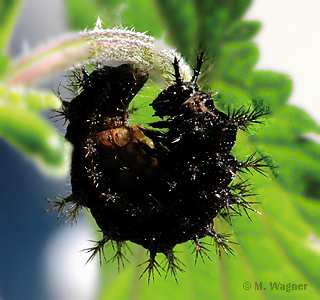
x=61 y=203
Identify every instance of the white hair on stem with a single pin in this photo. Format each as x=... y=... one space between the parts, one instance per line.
x=98 y=46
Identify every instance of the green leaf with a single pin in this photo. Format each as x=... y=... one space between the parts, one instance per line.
x=150 y=23
x=4 y=62
x=9 y=12
x=32 y=135
x=79 y=20
x=179 y=22
x=281 y=244
x=309 y=210
x=287 y=123
x=114 y=13
x=230 y=97
x=294 y=167
x=236 y=63
x=242 y=32
x=32 y=99
x=297 y=158
x=215 y=18
x=141 y=105
x=272 y=87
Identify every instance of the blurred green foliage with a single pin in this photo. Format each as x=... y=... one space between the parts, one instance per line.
x=282 y=244
x=20 y=122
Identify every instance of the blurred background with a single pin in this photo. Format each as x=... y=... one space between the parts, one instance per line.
x=39 y=255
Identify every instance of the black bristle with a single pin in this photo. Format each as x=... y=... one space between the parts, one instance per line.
x=172 y=264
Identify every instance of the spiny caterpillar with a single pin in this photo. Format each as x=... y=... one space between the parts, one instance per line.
x=156 y=187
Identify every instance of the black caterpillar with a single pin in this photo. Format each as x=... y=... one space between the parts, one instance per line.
x=156 y=188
